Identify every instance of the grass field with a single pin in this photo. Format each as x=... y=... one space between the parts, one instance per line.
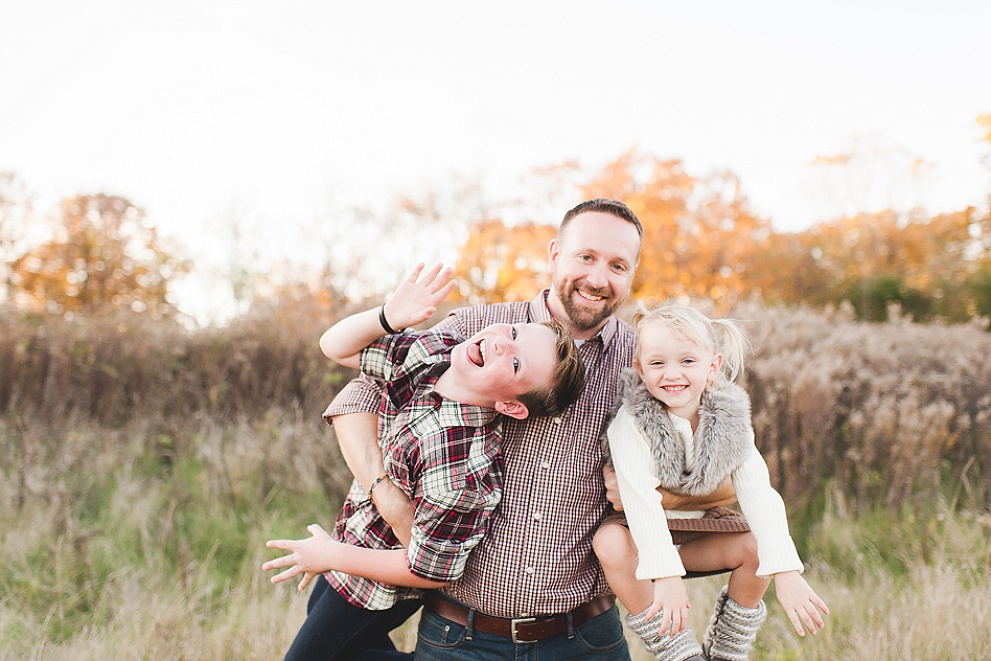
x=145 y=542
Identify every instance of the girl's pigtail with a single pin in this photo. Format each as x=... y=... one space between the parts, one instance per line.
x=733 y=345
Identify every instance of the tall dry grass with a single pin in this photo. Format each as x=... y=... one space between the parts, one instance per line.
x=144 y=467
x=889 y=413
x=126 y=543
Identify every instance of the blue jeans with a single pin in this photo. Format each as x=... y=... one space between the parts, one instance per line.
x=599 y=638
x=334 y=629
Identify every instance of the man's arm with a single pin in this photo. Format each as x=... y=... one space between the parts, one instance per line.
x=357 y=435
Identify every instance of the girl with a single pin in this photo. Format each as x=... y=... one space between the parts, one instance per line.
x=684 y=426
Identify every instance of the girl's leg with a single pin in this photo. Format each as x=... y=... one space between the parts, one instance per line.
x=617 y=553
x=736 y=552
x=613 y=545
x=739 y=610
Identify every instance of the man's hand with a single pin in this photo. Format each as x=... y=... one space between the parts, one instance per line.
x=612 y=487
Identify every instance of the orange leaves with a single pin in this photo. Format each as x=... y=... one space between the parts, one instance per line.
x=103 y=255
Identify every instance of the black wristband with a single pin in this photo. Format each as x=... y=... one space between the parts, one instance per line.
x=385 y=322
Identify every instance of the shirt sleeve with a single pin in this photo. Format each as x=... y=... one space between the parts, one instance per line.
x=765 y=512
x=638 y=484
x=453 y=506
x=364 y=393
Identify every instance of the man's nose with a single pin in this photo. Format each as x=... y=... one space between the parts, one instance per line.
x=597 y=275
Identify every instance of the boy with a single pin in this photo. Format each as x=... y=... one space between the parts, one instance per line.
x=439 y=435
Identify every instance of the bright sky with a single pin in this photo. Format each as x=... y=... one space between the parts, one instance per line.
x=192 y=108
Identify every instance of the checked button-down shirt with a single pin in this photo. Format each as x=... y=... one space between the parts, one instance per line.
x=443 y=454
x=536 y=557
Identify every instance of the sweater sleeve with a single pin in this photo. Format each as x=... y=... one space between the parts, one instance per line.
x=638 y=484
x=765 y=512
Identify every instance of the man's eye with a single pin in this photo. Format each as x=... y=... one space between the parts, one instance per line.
x=516 y=365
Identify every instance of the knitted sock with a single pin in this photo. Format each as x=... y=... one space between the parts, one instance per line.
x=682 y=647
x=732 y=629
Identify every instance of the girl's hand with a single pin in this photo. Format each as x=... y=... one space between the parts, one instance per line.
x=671 y=598
x=310 y=557
x=416 y=298
x=799 y=602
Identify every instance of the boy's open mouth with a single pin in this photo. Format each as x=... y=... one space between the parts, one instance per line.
x=476 y=353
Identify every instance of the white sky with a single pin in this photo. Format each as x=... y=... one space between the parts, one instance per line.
x=192 y=108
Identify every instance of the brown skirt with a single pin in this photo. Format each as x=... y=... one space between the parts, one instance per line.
x=715 y=520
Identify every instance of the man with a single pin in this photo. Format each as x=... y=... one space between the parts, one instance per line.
x=533 y=586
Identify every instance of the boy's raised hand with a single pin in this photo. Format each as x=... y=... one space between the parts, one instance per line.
x=801 y=603
x=417 y=297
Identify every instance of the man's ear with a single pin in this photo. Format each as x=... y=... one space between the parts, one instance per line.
x=553 y=250
x=514 y=408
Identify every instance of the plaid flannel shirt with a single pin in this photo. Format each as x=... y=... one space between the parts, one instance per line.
x=536 y=558
x=443 y=454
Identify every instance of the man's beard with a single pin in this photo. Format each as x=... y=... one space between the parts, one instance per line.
x=581 y=317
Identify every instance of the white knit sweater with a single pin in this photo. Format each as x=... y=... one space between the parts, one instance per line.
x=761 y=504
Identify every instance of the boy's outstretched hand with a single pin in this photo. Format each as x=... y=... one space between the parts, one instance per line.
x=309 y=557
x=417 y=297
x=801 y=603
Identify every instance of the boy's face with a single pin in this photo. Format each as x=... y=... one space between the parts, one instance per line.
x=676 y=371
x=504 y=361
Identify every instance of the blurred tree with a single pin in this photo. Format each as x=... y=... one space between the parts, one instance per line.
x=104 y=254
x=700 y=238
x=500 y=263
x=876 y=259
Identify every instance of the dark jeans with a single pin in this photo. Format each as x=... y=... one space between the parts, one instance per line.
x=334 y=629
x=599 y=638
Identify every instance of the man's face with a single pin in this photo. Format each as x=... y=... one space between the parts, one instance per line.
x=593 y=263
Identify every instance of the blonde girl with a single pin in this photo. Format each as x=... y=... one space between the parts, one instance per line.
x=684 y=426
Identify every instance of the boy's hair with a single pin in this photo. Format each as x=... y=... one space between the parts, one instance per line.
x=603 y=205
x=568 y=379
x=723 y=336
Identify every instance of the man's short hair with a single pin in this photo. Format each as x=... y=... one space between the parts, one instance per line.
x=603 y=205
x=568 y=379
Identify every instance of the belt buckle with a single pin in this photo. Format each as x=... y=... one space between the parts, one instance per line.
x=512 y=629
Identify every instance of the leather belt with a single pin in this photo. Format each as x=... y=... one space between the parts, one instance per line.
x=521 y=630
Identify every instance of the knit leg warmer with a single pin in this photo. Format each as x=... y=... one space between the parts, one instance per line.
x=732 y=629
x=682 y=647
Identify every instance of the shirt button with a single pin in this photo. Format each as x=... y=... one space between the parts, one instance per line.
x=524 y=615
x=545 y=464
x=557 y=420
x=530 y=570
x=537 y=516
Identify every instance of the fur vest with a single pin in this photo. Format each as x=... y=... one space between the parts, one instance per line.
x=723 y=440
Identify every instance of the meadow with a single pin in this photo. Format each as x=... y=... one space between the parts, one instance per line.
x=144 y=467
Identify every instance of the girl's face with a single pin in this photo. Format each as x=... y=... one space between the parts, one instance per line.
x=675 y=370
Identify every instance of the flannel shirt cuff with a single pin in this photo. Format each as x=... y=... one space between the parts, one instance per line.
x=437 y=564
x=361 y=395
